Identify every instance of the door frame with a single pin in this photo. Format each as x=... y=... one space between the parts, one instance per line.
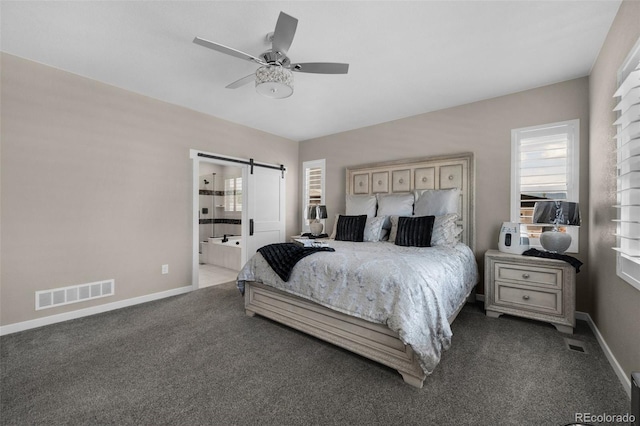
x=198 y=156
x=196 y=160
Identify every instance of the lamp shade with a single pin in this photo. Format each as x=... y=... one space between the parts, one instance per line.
x=560 y=213
x=312 y=212
x=274 y=81
x=317 y=212
x=322 y=212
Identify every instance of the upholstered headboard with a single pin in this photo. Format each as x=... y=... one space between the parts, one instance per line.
x=442 y=172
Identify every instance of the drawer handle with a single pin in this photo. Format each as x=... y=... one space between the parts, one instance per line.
x=525 y=297
x=525 y=276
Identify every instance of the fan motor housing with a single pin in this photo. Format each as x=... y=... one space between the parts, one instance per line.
x=275 y=58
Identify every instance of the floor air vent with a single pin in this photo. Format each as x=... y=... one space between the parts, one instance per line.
x=575 y=345
x=73 y=294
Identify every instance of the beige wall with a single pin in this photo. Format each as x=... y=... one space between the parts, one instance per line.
x=483 y=128
x=615 y=306
x=96 y=184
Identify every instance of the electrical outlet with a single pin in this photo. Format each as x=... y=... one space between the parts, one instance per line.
x=165 y=269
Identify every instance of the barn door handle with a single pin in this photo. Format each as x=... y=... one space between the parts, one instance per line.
x=250 y=226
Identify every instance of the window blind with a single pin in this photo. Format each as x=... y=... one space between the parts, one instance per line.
x=233 y=194
x=543 y=164
x=238 y=191
x=628 y=163
x=313 y=178
x=228 y=195
x=313 y=185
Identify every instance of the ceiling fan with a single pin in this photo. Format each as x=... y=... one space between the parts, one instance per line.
x=274 y=78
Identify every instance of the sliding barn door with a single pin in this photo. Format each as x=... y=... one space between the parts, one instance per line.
x=265 y=209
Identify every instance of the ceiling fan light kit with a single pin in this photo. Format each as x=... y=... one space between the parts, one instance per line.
x=274 y=78
x=274 y=81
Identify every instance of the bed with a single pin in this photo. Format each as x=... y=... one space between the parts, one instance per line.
x=392 y=304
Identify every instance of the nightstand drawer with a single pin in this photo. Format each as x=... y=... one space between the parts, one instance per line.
x=538 y=300
x=530 y=274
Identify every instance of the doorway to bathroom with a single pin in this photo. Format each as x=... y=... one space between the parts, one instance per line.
x=219 y=222
x=238 y=206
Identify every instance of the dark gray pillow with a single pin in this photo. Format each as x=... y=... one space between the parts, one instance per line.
x=415 y=231
x=351 y=228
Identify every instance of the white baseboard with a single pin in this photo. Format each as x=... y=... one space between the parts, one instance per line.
x=624 y=380
x=52 y=319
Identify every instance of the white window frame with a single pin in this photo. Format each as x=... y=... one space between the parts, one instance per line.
x=627 y=267
x=313 y=164
x=573 y=173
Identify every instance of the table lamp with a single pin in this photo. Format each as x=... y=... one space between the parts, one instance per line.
x=314 y=214
x=556 y=213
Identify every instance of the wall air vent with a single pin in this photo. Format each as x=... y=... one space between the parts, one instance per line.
x=76 y=293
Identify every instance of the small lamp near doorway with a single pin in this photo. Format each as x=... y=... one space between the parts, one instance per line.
x=556 y=213
x=314 y=214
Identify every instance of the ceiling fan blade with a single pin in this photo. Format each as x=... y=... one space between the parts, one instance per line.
x=244 y=80
x=284 y=32
x=227 y=50
x=321 y=67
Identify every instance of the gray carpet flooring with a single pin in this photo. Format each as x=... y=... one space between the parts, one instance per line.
x=197 y=359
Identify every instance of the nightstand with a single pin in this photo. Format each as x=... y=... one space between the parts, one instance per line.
x=531 y=287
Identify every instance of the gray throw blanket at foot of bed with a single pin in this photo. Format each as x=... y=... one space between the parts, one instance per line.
x=282 y=257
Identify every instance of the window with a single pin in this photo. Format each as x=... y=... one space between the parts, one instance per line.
x=313 y=174
x=628 y=169
x=233 y=194
x=544 y=166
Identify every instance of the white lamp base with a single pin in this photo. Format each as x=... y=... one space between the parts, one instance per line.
x=555 y=241
x=315 y=228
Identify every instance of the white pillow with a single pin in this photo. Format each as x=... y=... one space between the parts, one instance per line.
x=394 y=228
x=361 y=204
x=436 y=202
x=445 y=231
x=335 y=226
x=395 y=205
x=373 y=228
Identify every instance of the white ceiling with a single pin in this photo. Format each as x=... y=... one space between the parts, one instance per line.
x=406 y=57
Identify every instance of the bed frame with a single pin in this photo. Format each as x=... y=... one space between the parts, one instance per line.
x=374 y=341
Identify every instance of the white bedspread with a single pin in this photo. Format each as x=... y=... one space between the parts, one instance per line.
x=412 y=290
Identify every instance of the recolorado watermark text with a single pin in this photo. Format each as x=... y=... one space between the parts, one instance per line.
x=592 y=418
